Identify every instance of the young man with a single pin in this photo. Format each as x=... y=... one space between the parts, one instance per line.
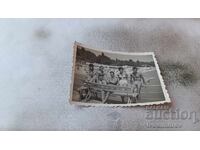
x=102 y=81
x=122 y=77
x=91 y=74
x=101 y=69
x=112 y=79
x=84 y=92
x=137 y=80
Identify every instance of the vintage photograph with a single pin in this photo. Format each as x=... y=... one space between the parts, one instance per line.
x=110 y=78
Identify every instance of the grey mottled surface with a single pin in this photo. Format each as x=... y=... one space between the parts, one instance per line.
x=35 y=71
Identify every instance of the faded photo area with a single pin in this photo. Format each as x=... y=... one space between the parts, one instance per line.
x=116 y=78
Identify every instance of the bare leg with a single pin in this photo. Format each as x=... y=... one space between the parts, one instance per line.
x=129 y=100
x=139 y=89
x=88 y=96
x=122 y=97
x=106 y=97
x=102 y=96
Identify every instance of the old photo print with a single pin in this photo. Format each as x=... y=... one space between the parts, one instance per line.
x=110 y=78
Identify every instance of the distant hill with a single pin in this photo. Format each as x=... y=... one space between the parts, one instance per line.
x=88 y=56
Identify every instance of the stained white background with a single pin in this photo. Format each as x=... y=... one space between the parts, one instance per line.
x=132 y=8
x=36 y=60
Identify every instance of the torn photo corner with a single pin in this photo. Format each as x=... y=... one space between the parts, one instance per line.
x=110 y=78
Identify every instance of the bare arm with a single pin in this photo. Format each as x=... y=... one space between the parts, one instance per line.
x=142 y=77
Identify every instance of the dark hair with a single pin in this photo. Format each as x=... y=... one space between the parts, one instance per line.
x=120 y=68
x=134 y=67
x=91 y=65
x=101 y=67
x=112 y=72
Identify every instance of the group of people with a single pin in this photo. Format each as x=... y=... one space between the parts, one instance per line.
x=121 y=78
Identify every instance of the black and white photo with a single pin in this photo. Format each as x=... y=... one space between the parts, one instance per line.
x=111 y=78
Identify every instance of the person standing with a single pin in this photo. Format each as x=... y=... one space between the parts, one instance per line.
x=137 y=80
